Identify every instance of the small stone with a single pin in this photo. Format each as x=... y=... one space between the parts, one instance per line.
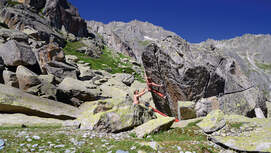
x=29 y=140
x=59 y=146
x=133 y=147
x=34 y=146
x=179 y=148
x=36 y=137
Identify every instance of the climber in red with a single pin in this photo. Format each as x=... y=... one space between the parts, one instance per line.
x=137 y=95
x=150 y=84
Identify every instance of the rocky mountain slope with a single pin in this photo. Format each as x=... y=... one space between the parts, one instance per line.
x=252 y=53
x=58 y=70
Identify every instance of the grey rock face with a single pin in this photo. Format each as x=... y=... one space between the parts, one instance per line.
x=15 y=54
x=61 y=13
x=188 y=74
x=252 y=52
x=128 y=38
x=22 y=19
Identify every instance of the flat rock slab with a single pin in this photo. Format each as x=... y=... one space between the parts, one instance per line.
x=212 y=122
x=22 y=120
x=152 y=126
x=13 y=100
x=184 y=123
x=245 y=134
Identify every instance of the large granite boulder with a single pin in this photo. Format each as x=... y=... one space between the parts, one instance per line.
x=15 y=54
x=26 y=78
x=13 y=100
x=188 y=75
x=113 y=115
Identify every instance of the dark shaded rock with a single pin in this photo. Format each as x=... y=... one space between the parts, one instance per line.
x=26 y=78
x=36 y=4
x=15 y=54
x=188 y=75
x=10 y=79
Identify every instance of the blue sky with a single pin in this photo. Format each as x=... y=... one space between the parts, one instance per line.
x=193 y=20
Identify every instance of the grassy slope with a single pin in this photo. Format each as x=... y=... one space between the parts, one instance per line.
x=108 y=60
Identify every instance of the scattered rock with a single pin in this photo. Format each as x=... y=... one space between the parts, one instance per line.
x=206 y=105
x=85 y=72
x=15 y=54
x=153 y=126
x=72 y=88
x=212 y=122
x=26 y=78
x=9 y=34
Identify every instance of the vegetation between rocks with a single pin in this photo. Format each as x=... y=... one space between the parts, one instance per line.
x=56 y=139
x=108 y=60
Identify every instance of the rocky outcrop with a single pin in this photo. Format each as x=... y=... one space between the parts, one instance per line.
x=60 y=13
x=128 y=38
x=13 y=100
x=21 y=18
x=14 y=54
x=188 y=74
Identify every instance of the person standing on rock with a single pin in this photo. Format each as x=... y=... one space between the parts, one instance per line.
x=137 y=95
x=150 y=84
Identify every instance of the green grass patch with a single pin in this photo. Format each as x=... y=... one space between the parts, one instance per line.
x=263 y=66
x=236 y=125
x=144 y=43
x=107 y=61
x=188 y=133
x=4 y=25
x=13 y=3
